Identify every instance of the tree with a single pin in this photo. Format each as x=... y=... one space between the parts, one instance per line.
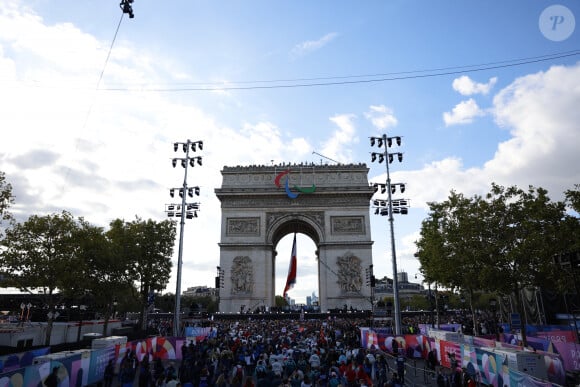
x=198 y=304
x=569 y=281
x=502 y=243
x=148 y=246
x=280 y=302
x=573 y=198
x=105 y=275
x=431 y=247
x=6 y=200
x=526 y=237
x=452 y=250
x=39 y=253
x=572 y=227
x=166 y=302
x=418 y=302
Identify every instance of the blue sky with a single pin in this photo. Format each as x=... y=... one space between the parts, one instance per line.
x=175 y=72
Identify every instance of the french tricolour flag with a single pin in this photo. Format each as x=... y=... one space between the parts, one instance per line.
x=291 y=280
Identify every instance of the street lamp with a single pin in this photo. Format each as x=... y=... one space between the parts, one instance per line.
x=388 y=207
x=429 y=297
x=183 y=211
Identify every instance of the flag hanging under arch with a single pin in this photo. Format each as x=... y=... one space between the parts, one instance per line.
x=291 y=280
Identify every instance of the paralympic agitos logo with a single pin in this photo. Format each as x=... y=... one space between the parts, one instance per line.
x=292 y=195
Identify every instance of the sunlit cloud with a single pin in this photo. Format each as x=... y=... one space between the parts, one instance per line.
x=309 y=46
x=463 y=113
x=466 y=86
x=339 y=145
x=382 y=117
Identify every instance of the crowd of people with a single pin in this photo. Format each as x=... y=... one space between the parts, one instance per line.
x=272 y=353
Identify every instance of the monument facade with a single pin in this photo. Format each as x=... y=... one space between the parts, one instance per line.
x=262 y=204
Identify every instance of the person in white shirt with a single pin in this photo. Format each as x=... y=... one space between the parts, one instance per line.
x=277 y=366
x=314 y=360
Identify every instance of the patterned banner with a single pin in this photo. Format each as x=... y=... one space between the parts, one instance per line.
x=19 y=360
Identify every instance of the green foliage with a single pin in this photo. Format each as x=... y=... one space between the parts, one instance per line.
x=166 y=302
x=415 y=302
x=57 y=252
x=105 y=276
x=41 y=252
x=202 y=303
x=525 y=237
x=148 y=245
x=501 y=243
x=6 y=200
x=573 y=198
x=281 y=302
x=571 y=228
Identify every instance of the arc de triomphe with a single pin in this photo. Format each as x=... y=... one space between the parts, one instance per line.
x=262 y=204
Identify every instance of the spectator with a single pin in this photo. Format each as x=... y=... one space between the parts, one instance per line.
x=52 y=379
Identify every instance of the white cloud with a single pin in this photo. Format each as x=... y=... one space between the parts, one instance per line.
x=103 y=155
x=466 y=86
x=542 y=113
x=381 y=116
x=312 y=45
x=337 y=147
x=540 y=110
x=463 y=113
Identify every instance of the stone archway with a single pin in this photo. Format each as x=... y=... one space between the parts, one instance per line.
x=262 y=204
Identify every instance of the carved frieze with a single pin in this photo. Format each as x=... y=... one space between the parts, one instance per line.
x=349 y=273
x=243 y=226
x=347 y=224
x=242 y=275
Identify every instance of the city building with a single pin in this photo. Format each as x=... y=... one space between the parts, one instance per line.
x=200 y=291
x=384 y=288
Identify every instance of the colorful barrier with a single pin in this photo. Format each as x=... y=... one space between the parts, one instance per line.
x=81 y=368
x=85 y=367
x=14 y=361
x=486 y=360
